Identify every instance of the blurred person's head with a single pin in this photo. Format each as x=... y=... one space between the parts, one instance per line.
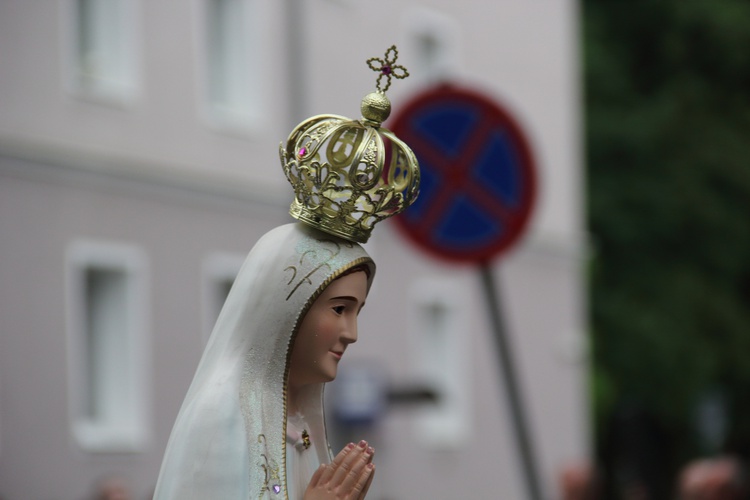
x=712 y=479
x=112 y=488
x=579 y=481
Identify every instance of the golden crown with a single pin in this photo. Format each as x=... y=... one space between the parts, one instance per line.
x=348 y=175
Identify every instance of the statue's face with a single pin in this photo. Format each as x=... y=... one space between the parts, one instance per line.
x=328 y=328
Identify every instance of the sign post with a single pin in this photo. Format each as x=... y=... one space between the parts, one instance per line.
x=477 y=191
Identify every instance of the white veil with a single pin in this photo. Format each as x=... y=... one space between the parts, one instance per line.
x=229 y=440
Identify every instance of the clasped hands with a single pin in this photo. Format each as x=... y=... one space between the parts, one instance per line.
x=348 y=477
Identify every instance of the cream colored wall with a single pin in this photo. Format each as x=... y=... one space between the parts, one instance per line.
x=543 y=305
x=44 y=208
x=154 y=173
x=165 y=126
x=522 y=53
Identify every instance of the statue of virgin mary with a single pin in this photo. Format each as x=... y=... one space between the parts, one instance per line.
x=252 y=424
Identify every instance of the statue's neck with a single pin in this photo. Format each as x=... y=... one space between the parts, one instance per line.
x=292 y=400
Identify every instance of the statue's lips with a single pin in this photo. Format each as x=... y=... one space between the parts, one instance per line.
x=336 y=354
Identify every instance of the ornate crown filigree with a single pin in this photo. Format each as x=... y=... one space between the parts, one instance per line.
x=348 y=175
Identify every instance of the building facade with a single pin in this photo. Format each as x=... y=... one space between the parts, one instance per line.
x=138 y=165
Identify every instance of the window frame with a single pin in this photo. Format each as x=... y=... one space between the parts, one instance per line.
x=442 y=361
x=119 y=82
x=130 y=431
x=242 y=113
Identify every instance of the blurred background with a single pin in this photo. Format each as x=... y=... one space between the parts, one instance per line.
x=667 y=120
x=138 y=166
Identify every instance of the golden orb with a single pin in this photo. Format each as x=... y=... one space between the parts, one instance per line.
x=375 y=107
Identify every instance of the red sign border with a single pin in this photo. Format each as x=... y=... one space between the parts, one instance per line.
x=437 y=95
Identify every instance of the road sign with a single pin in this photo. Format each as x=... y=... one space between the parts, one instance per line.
x=476 y=194
x=478 y=175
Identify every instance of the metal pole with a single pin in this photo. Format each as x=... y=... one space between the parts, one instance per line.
x=512 y=392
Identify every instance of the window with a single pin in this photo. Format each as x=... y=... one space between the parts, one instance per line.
x=233 y=63
x=442 y=347
x=219 y=271
x=433 y=44
x=107 y=300
x=103 y=49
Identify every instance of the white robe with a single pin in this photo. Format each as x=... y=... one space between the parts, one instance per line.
x=230 y=437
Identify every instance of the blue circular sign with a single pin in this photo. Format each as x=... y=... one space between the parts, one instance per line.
x=478 y=176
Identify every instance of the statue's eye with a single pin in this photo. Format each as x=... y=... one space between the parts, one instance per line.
x=339 y=309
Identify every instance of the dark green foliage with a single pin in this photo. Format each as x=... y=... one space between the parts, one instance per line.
x=667 y=87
